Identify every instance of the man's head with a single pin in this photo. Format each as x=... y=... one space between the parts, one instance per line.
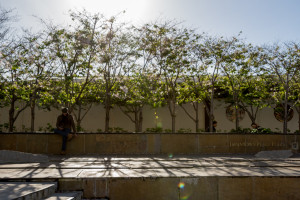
x=215 y=123
x=64 y=111
x=254 y=125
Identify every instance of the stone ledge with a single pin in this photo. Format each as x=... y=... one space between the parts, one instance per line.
x=148 y=133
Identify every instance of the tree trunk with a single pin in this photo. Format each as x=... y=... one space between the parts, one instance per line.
x=173 y=123
x=172 y=108
x=285 y=113
x=141 y=120
x=237 y=120
x=78 y=120
x=136 y=119
x=107 y=112
x=211 y=110
x=32 y=108
x=11 y=115
x=197 y=117
x=78 y=125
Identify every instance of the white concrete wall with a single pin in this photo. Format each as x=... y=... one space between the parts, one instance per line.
x=95 y=119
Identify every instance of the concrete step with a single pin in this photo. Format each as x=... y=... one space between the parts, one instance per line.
x=26 y=190
x=65 y=196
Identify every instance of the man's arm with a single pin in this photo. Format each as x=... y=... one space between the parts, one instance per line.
x=58 y=122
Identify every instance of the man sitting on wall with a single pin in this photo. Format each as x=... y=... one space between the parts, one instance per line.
x=256 y=128
x=215 y=123
x=64 y=124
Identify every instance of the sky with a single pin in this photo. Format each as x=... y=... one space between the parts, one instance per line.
x=261 y=21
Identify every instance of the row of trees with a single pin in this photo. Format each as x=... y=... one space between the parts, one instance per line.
x=101 y=60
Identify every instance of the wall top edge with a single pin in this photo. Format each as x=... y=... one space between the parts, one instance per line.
x=144 y=133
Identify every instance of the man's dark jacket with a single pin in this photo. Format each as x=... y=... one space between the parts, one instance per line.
x=65 y=122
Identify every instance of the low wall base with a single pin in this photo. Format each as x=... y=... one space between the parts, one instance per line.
x=149 y=144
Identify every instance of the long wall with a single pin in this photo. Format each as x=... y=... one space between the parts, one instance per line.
x=95 y=118
x=145 y=143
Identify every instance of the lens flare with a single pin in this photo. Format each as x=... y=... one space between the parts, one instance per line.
x=184 y=197
x=185 y=190
x=181 y=185
x=170 y=155
x=159 y=125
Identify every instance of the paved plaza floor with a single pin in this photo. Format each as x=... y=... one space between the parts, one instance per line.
x=115 y=166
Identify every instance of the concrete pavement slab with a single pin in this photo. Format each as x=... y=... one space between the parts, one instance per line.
x=24 y=190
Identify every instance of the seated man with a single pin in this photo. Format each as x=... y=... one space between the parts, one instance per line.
x=64 y=124
x=255 y=128
x=215 y=123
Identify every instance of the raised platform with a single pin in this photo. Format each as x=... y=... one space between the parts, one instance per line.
x=135 y=166
x=165 y=177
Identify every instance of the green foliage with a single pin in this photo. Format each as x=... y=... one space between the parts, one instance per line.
x=158 y=130
x=167 y=131
x=117 y=130
x=49 y=128
x=200 y=130
x=240 y=130
x=24 y=129
x=248 y=130
x=262 y=130
x=154 y=130
x=80 y=129
x=4 y=127
x=184 y=130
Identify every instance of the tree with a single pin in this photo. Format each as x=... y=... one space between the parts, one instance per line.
x=255 y=95
x=115 y=60
x=133 y=95
x=255 y=88
x=87 y=99
x=38 y=61
x=194 y=88
x=14 y=89
x=136 y=90
x=295 y=87
x=169 y=46
x=282 y=63
x=213 y=52
x=76 y=51
x=235 y=73
x=193 y=91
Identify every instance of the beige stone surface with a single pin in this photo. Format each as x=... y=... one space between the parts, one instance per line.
x=95 y=188
x=162 y=188
x=8 y=141
x=90 y=144
x=211 y=177
x=153 y=143
x=241 y=188
x=276 y=189
x=23 y=190
x=54 y=144
x=21 y=143
x=35 y=145
x=76 y=145
x=179 y=144
x=38 y=173
x=148 y=144
x=204 y=188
